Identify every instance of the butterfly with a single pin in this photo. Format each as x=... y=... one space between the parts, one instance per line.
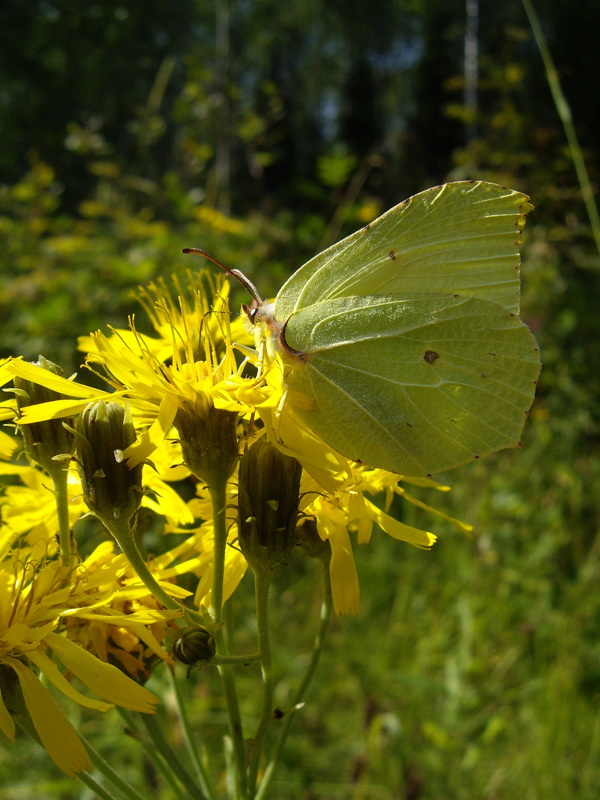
x=404 y=339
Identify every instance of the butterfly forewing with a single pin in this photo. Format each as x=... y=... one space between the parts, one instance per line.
x=461 y=238
x=414 y=384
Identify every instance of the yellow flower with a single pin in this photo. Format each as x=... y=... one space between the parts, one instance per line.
x=200 y=545
x=185 y=371
x=346 y=507
x=29 y=509
x=33 y=595
x=115 y=617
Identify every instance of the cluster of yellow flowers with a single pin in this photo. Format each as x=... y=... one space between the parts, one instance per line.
x=186 y=386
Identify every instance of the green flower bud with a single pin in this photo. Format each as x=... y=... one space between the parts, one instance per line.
x=111 y=489
x=195 y=644
x=45 y=442
x=208 y=440
x=269 y=491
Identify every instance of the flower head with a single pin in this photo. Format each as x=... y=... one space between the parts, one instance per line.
x=34 y=593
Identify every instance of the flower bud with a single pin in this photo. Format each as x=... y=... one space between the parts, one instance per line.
x=194 y=644
x=44 y=441
x=111 y=489
x=269 y=490
x=208 y=439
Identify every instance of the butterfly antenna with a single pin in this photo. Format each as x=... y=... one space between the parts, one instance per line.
x=235 y=273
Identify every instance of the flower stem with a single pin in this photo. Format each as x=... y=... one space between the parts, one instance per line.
x=201 y=774
x=60 y=477
x=262 y=581
x=238 y=661
x=564 y=112
x=326 y=608
x=218 y=496
x=97 y=789
x=155 y=730
x=105 y=768
x=154 y=754
x=123 y=534
x=219 y=499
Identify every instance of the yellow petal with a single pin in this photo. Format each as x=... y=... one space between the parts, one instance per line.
x=55 y=731
x=142 y=617
x=398 y=530
x=463 y=527
x=8 y=445
x=54 y=409
x=55 y=676
x=104 y=679
x=345 y=589
x=168 y=502
x=5 y=374
x=151 y=641
x=30 y=372
x=139 y=451
x=7 y=725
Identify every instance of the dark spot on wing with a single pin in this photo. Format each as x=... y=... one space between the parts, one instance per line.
x=393 y=255
x=431 y=356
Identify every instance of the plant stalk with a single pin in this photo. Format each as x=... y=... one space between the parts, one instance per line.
x=262 y=582
x=218 y=495
x=326 y=609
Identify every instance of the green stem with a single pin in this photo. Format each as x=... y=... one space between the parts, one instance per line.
x=564 y=112
x=105 y=768
x=154 y=755
x=125 y=538
x=218 y=496
x=201 y=774
x=97 y=788
x=326 y=609
x=155 y=730
x=60 y=478
x=262 y=581
x=239 y=661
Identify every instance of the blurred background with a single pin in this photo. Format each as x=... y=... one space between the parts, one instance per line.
x=263 y=131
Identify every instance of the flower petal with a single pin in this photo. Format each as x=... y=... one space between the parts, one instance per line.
x=7 y=725
x=139 y=451
x=30 y=372
x=55 y=676
x=398 y=530
x=104 y=679
x=345 y=589
x=56 y=733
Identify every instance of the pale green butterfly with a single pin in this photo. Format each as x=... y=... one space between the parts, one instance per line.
x=405 y=337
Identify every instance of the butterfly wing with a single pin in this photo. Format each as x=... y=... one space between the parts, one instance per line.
x=414 y=384
x=461 y=238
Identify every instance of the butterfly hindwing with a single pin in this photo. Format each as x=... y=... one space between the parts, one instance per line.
x=415 y=384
